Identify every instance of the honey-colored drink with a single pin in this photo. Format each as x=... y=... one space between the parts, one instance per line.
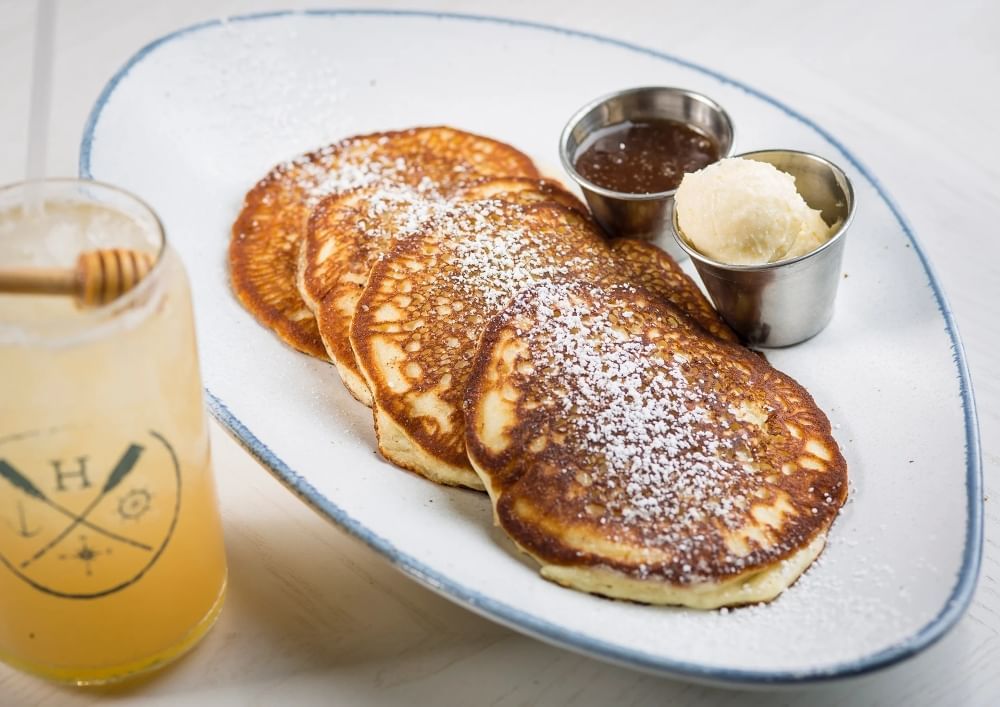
x=111 y=552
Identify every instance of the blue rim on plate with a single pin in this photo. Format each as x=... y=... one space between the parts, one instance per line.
x=962 y=592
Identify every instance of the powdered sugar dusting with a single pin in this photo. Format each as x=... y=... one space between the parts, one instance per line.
x=398 y=210
x=493 y=246
x=500 y=263
x=660 y=448
x=346 y=165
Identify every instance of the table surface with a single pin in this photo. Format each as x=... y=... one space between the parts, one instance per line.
x=313 y=616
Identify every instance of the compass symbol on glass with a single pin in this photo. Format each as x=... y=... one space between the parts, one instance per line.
x=134 y=504
x=85 y=554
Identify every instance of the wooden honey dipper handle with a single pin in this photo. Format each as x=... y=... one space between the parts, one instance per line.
x=99 y=277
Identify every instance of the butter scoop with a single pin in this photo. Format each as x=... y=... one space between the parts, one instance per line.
x=746 y=212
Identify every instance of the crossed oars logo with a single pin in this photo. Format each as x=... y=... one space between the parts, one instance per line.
x=122 y=469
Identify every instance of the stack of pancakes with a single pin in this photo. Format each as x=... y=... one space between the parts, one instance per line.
x=626 y=440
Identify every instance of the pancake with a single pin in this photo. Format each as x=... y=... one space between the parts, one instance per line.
x=635 y=457
x=347 y=233
x=264 y=247
x=427 y=301
x=524 y=191
x=652 y=268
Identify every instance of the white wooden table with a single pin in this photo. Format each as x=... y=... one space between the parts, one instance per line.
x=315 y=617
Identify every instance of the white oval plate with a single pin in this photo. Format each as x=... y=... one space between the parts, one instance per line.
x=195 y=118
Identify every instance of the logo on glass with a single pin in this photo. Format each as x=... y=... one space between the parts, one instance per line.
x=83 y=514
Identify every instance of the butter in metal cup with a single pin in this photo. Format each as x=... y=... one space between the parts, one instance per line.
x=786 y=302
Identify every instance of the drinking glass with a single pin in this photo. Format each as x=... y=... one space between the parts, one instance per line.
x=111 y=551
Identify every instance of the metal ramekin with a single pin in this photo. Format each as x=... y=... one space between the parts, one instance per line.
x=788 y=301
x=645 y=216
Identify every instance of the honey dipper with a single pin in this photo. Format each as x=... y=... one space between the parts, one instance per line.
x=99 y=276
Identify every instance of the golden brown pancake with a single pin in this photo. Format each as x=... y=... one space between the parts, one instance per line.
x=524 y=191
x=264 y=248
x=650 y=267
x=427 y=301
x=348 y=232
x=635 y=457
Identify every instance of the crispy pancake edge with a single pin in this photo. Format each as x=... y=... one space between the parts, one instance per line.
x=302 y=334
x=751 y=587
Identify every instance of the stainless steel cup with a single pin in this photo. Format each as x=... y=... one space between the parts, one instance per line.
x=789 y=301
x=645 y=216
